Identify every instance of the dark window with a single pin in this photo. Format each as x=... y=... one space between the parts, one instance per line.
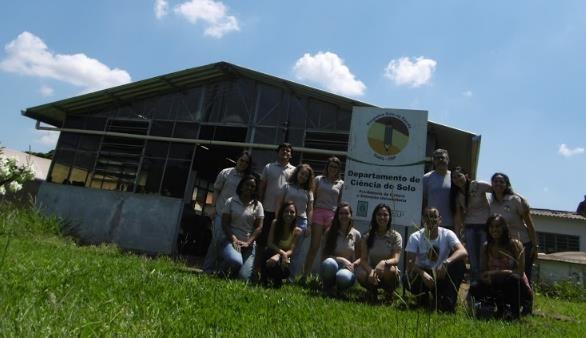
x=95 y=123
x=190 y=101
x=550 y=242
x=151 y=175
x=82 y=166
x=162 y=128
x=68 y=141
x=157 y=149
x=176 y=174
x=321 y=115
x=185 y=130
x=61 y=166
x=89 y=142
x=270 y=110
x=119 y=158
x=297 y=112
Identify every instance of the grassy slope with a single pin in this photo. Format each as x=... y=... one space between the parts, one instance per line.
x=50 y=286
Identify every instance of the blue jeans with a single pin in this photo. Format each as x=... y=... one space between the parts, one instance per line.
x=475 y=235
x=334 y=274
x=210 y=261
x=237 y=263
x=297 y=259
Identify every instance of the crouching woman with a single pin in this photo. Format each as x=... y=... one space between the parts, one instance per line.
x=241 y=220
x=342 y=247
x=281 y=243
x=503 y=281
x=380 y=254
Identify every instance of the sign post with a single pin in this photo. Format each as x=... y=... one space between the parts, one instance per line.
x=386 y=157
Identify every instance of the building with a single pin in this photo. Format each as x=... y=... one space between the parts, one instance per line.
x=559 y=231
x=132 y=160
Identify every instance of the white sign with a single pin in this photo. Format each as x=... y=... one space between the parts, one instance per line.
x=386 y=156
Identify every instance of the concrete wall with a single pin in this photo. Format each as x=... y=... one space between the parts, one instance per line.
x=558 y=225
x=555 y=271
x=145 y=223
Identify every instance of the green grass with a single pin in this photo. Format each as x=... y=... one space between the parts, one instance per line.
x=49 y=286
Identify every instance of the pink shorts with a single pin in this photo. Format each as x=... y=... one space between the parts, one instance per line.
x=323 y=216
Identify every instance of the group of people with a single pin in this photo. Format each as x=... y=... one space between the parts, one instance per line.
x=496 y=227
x=261 y=223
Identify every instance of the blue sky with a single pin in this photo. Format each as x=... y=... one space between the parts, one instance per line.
x=511 y=71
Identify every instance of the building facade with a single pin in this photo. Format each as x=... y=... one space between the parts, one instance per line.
x=166 y=138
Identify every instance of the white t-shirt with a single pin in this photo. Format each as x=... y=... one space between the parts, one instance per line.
x=275 y=176
x=431 y=253
x=242 y=217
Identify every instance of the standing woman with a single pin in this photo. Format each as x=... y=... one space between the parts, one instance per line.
x=470 y=209
x=341 y=250
x=503 y=278
x=299 y=190
x=328 y=194
x=224 y=188
x=241 y=220
x=281 y=243
x=515 y=211
x=380 y=253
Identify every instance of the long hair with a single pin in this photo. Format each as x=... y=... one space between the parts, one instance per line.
x=335 y=160
x=335 y=228
x=508 y=189
x=280 y=222
x=505 y=239
x=374 y=224
x=308 y=185
x=254 y=193
x=454 y=190
x=248 y=169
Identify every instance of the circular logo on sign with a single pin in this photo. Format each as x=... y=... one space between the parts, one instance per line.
x=388 y=135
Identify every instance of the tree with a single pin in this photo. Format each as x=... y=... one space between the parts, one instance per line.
x=12 y=174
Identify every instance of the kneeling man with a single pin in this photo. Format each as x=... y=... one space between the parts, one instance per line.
x=435 y=263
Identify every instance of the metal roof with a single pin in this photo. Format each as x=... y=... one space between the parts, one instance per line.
x=54 y=113
x=576 y=257
x=557 y=214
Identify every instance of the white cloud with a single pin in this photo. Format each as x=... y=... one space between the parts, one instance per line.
x=567 y=152
x=29 y=55
x=48 y=138
x=46 y=91
x=414 y=73
x=213 y=13
x=161 y=8
x=467 y=93
x=329 y=71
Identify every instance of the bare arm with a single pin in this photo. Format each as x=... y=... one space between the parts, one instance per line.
x=257 y=230
x=459 y=253
x=364 y=256
x=531 y=230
